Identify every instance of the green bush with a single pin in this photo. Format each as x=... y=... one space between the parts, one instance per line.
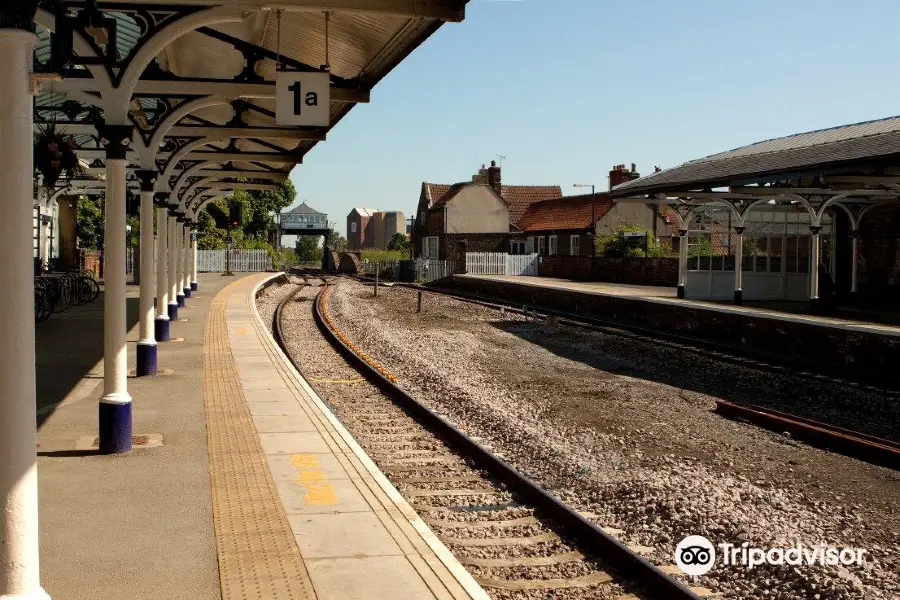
x=616 y=245
x=384 y=255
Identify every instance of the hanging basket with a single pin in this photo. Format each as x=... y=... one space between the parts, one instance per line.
x=54 y=155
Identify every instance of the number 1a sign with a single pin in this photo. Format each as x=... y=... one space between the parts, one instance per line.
x=302 y=98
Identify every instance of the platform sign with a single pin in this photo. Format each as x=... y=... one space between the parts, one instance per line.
x=302 y=98
x=195 y=235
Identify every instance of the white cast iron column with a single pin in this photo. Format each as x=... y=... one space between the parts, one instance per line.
x=19 y=565
x=162 y=270
x=194 y=285
x=814 y=267
x=854 y=260
x=115 y=405
x=738 y=266
x=179 y=260
x=146 y=346
x=682 y=261
x=186 y=280
x=173 y=268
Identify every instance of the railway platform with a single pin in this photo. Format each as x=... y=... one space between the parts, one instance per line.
x=241 y=484
x=855 y=349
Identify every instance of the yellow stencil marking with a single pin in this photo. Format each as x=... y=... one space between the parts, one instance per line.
x=240 y=331
x=319 y=491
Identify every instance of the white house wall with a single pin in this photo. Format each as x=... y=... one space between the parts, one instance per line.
x=476 y=209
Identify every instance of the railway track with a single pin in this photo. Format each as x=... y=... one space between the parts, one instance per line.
x=852 y=443
x=725 y=353
x=515 y=538
x=837 y=439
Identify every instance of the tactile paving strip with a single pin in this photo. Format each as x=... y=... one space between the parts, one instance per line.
x=258 y=556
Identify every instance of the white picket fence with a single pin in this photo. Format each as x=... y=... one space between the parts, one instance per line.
x=213 y=261
x=501 y=263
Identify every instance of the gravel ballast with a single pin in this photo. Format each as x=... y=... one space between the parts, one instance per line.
x=624 y=431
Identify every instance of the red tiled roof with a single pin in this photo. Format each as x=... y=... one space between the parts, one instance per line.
x=568 y=212
x=435 y=192
x=518 y=197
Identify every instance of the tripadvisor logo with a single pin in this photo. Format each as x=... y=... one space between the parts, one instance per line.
x=696 y=555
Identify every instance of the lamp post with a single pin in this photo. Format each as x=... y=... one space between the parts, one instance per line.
x=593 y=218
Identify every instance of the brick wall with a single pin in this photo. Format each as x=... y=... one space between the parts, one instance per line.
x=636 y=271
x=847 y=353
x=474 y=242
x=90 y=261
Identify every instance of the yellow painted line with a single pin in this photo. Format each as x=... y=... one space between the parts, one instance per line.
x=240 y=331
x=344 y=381
x=319 y=491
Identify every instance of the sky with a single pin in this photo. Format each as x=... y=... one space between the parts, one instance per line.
x=565 y=89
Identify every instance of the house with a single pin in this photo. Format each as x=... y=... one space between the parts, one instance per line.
x=357 y=223
x=385 y=224
x=562 y=226
x=474 y=216
x=372 y=228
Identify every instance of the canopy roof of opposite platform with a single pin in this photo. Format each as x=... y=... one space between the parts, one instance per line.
x=851 y=167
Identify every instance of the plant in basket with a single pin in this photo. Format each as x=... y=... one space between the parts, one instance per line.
x=54 y=154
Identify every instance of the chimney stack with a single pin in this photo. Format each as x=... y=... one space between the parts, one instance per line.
x=493 y=177
x=620 y=174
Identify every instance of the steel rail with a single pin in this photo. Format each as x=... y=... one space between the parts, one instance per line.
x=588 y=534
x=871 y=449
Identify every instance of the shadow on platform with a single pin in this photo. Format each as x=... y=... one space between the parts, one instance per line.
x=67 y=347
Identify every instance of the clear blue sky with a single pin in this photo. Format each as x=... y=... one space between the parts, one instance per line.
x=564 y=89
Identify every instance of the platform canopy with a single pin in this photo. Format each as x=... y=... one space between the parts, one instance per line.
x=851 y=167
x=196 y=79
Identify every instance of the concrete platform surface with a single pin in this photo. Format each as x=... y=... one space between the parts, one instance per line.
x=357 y=536
x=250 y=488
x=136 y=526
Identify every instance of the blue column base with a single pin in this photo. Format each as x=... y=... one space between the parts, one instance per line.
x=815 y=306
x=680 y=291
x=161 y=330
x=187 y=292
x=195 y=286
x=115 y=428
x=146 y=359
x=173 y=311
x=738 y=296
x=180 y=298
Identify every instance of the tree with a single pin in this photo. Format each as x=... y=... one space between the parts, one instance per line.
x=399 y=242
x=338 y=242
x=89 y=222
x=307 y=248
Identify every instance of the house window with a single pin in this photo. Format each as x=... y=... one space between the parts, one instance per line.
x=542 y=248
x=575 y=245
x=517 y=246
x=552 y=245
x=353 y=227
x=430 y=247
x=422 y=218
x=529 y=246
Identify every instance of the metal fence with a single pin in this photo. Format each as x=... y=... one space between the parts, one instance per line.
x=213 y=261
x=423 y=271
x=501 y=263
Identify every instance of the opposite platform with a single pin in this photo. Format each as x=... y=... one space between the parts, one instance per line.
x=299 y=509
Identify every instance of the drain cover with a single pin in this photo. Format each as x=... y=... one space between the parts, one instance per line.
x=138 y=441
